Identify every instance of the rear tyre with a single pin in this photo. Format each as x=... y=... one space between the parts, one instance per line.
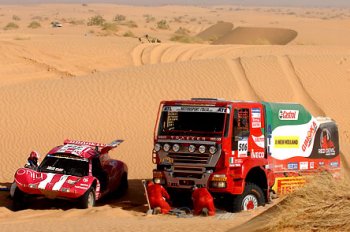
x=250 y=199
x=88 y=199
x=123 y=186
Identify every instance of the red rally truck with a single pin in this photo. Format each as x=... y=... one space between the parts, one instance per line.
x=241 y=151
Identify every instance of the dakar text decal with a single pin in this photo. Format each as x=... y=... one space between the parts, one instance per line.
x=310 y=135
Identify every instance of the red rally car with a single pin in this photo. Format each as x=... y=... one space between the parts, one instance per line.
x=76 y=170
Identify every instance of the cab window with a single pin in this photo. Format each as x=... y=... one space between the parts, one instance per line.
x=240 y=126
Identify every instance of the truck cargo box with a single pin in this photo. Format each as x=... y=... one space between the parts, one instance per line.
x=297 y=141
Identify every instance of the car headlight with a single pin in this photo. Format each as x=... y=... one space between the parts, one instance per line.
x=157 y=147
x=66 y=190
x=33 y=186
x=201 y=149
x=71 y=182
x=191 y=148
x=176 y=147
x=212 y=150
x=166 y=147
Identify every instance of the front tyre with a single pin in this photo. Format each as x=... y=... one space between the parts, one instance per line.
x=88 y=199
x=250 y=199
x=18 y=199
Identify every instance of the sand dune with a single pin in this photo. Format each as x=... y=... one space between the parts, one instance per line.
x=255 y=35
x=74 y=83
x=216 y=31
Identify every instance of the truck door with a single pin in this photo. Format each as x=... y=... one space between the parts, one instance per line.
x=248 y=132
x=241 y=131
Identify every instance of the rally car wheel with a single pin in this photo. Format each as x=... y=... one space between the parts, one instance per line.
x=88 y=199
x=123 y=186
x=19 y=202
x=251 y=198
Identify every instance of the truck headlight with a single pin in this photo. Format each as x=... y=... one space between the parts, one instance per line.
x=218 y=184
x=219 y=181
x=166 y=147
x=157 y=147
x=191 y=148
x=176 y=147
x=212 y=150
x=201 y=149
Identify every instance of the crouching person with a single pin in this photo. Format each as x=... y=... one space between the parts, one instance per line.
x=203 y=202
x=158 y=198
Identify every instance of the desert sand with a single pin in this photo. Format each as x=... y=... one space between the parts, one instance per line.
x=89 y=83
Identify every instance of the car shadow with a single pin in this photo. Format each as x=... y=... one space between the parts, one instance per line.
x=133 y=200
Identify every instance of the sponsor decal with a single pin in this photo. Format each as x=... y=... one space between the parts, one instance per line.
x=292 y=166
x=257 y=155
x=81 y=187
x=256 y=113
x=288 y=115
x=231 y=160
x=334 y=164
x=85 y=180
x=201 y=109
x=242 y=148
x=321 y=163
x=309 y=136
x=278 y=166
x=303 y=165
x=259 y=141
x=312 y=165
x=48 y=179
x=327 y=146
x=286 y=141
x=256 y=124
x=256 y=118
x=73 y=149
x=194 y=138
x=238 y=161
x=59 y=184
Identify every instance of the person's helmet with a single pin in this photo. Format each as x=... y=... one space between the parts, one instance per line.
x=34 y=155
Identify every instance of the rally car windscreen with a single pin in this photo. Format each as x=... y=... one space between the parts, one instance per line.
x=197 y=121
x=66 y=165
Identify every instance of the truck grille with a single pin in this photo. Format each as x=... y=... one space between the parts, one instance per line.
x=193 y=158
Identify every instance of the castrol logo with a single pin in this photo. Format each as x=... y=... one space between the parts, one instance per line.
x=288 y=114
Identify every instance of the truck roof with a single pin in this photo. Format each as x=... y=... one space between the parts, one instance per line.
x=204 y=101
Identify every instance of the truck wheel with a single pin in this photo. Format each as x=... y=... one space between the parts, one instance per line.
x=88 y=199
x=19 y=202
x=251 y=198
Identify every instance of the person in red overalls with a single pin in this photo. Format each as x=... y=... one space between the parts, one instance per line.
x=203 y=202
x=157 y=197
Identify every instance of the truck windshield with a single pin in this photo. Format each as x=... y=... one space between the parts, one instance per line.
x=192 y=120
x=65 y=164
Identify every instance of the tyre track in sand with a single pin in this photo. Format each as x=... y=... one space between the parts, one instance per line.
x=299 y=90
